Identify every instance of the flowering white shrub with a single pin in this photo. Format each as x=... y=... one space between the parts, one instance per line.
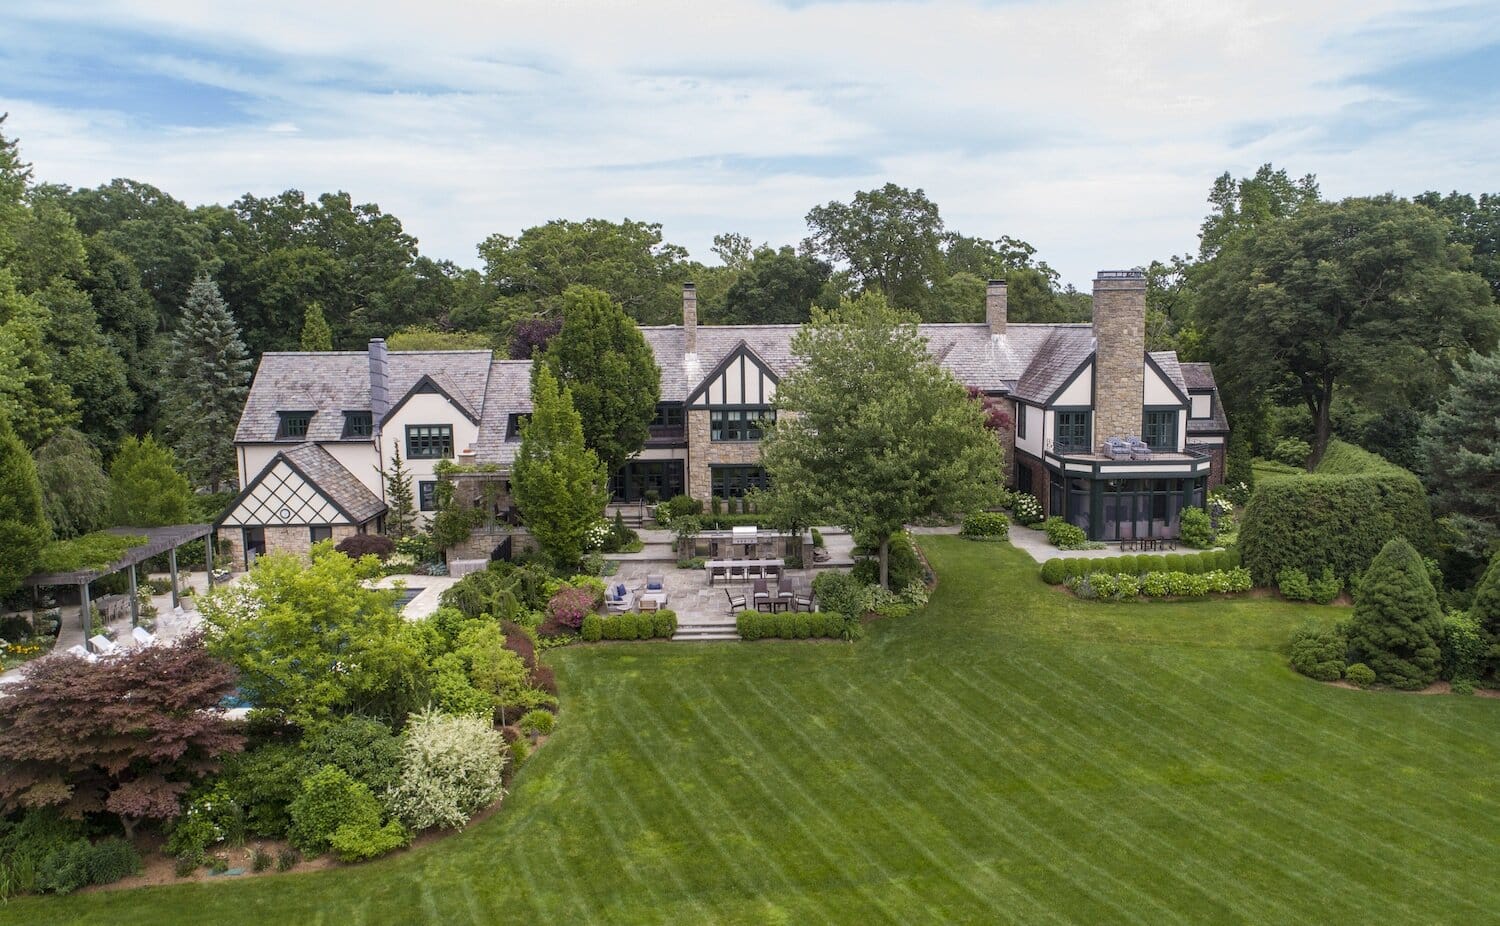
x=1026 y=508
x=597 y=534
x=450 y=768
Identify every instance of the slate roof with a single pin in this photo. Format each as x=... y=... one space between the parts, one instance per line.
x=1200 y=378
x=509 y=391
x=335 y=481
x=329 y=383
x=1167 y=360
x=1057 y=354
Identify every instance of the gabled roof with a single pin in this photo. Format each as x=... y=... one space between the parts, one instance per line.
x=1166 y=362
x=1200 y=379
x=329 y=383
x=442 y=384
x=742 y=349
x=1054 y=361
x=325 y=475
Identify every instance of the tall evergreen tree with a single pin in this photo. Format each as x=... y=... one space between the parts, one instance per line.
x=30 y=395
x=401 y=509
x=207 y=378
x=316 y=335
x=23 y=526
x=75 y=489
x=560 y=485
x=605 y=363
x=1397 y=622
x=145 y=488
x=1486 y=613
x=1462 y=443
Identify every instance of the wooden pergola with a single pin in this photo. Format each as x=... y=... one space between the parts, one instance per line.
x=159 y=540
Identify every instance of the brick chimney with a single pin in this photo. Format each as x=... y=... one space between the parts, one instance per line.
x=689 y=318
x=995 y=306
x=380 y=400
x=1119 y=353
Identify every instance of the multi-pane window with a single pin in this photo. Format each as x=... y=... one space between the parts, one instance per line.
x=358 y=424
x=735 y=481
x=429 y=441
x=293 y=425
x=1072 y=432
x=513 y=425
x=427 y=496
x=1159 y=429
x=668 y=415
x=740 y=424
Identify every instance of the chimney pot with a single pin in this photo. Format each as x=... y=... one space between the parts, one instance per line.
x=996 y=307
x=689 y=318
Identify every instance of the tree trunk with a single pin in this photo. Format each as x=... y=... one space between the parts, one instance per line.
x=1322 y=428
x=128 y=825
x=885 y=562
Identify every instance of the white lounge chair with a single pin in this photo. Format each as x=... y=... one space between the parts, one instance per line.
x=79 y=650
x=142 y=636
x=104 y=645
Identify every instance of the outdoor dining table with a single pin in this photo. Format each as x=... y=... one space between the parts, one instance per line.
x=727 y=564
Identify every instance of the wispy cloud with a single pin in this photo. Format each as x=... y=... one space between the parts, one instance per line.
x=1090 y=127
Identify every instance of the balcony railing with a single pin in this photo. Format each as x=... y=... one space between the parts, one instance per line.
x=666 y=432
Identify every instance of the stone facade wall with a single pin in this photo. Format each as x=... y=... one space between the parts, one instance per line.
x=482 y=543
x=289 y=538
x=704 y=453
x=1120 y=355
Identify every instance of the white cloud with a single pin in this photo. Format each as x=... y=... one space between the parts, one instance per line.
x=1091 y=128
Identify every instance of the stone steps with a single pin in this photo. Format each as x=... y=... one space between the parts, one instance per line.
x=706 y=631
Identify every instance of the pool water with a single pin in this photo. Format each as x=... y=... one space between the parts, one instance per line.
x=406 y=597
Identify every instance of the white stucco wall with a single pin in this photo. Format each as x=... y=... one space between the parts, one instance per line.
x=1080 y=392
x=425 y=408
x=1032 y=442
x=1203 y=404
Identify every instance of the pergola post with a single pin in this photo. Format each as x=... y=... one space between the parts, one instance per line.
x=86 y=615
x=208 y=558
x=172 y=561
x=135 y=603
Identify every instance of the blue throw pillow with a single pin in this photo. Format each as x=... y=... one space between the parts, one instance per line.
x=619 y=591
x=653 y=586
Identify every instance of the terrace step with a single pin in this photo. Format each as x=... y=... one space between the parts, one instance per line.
x=704 y=636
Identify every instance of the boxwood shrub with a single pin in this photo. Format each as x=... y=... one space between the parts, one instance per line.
x=986 y=525
x=753 y=625
x=1338 y=517
x=661 y=625
x=1054 y=571
x=1119 y=587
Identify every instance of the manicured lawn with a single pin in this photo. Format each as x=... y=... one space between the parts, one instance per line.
x=1010 y=755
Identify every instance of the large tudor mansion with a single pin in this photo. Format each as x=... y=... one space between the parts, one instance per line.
x=318 y=427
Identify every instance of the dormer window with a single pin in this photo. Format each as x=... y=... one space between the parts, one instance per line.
x=513 y=425
x=358 y=424
x=1159 y=429
x=293 y=425
x=1203 y=404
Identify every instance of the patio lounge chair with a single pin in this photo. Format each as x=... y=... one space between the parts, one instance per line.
x=1139 y=449
x=142 y=636
x=1117 y=448
x=619 y=599
x=736 y=602
x=802 y=600
x=77 y=649
x=104 y=645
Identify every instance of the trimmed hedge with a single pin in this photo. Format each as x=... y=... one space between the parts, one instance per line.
x=1114 y=587
x=1063 y=535
x=1339 y=517
x=986 y=525
x=650 y=625
x=1057 y=570
x=819 y=625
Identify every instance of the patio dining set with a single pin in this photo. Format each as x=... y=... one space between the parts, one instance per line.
x=790 y=595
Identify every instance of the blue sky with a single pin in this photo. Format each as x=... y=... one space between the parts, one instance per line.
x=1092 y=129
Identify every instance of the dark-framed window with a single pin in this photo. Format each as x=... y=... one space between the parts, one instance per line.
x=1071 y=432
x=1159 y=428
x=320 y=532
x=740 y=424
x=358 y=424
x=668 y=415
x=427 y=495
x=632 y=481
x=1020 y=421
x=429 y=441
x=735 y=481
x=1208 y=405
x=513 y=424
x=1023 y=479
x=292 y=425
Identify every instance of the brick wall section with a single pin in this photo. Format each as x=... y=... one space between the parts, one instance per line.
x=1008 y=443
x=704 y=453
x=1120 y=355
x=1216 y=462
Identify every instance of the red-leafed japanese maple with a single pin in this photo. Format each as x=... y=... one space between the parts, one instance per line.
x=126 y=735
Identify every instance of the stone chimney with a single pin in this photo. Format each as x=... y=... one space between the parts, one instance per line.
x=380 y=400
x=995 y=307
x=1119 y=353
x=689 y=318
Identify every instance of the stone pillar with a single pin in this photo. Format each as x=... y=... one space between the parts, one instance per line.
x=995 y=306
x=1119 y=353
